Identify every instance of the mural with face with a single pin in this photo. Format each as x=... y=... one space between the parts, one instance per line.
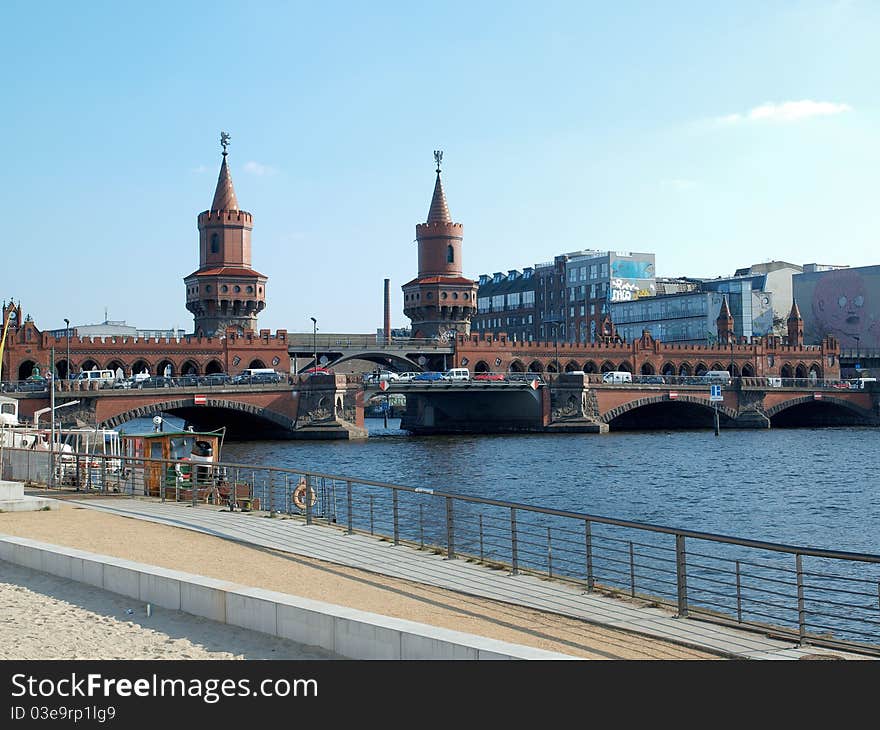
x=842 y=307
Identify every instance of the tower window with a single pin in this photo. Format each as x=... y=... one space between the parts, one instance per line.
x=450 y=255
x=215 y=243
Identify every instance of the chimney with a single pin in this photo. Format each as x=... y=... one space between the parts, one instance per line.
x=387 y=311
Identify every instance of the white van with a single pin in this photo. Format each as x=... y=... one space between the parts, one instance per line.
x=457 y=374
x=717 y=376
x=101 y=377
x=617 y=376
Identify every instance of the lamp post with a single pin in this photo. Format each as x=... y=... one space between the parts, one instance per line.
x=315 y=344
x=67 y=335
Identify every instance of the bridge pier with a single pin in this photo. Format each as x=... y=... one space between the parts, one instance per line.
x=748 y=419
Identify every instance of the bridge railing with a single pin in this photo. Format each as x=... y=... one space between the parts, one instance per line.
x=811 y=595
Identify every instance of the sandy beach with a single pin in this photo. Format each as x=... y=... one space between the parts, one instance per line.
x=45 y=617
x=193 y=552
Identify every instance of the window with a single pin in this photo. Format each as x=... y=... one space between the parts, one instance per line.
x=450 y=254
x=215 y=243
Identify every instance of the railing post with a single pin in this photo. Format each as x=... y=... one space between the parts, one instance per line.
x=287 y=494
x=271 y=492
x=394 y=516
x=348 y=500
x=802 y=615
x=103 y=474
x=233 y=494
x=588 y=537
x=421 y=527
x=549 y=554
x=681 y=576
x=481 y=540
x=632 y=571
x=450 y=529
x=514 y=558
x=371 y=514
x=308 y=496
x=739 y=612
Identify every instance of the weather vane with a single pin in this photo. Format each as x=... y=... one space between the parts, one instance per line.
x=438 y=158
x=224 y=141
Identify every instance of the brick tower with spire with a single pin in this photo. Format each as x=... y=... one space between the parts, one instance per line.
x=724 y=323
x=795 y=326
x=225 y=291
x=440 y=300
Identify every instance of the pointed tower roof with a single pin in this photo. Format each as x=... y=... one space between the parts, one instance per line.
x=439 y=212
x=725 y=310
x=795 y=312
x=224 y=195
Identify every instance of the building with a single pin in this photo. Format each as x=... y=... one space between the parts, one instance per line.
x=440 y=301
x=225 y=291
x=506 y=304
x=115 y=328
x=843 y=303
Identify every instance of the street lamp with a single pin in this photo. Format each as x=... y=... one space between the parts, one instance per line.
x=315 y=344
x=67 y=334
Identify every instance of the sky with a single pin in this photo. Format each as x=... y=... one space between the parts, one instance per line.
x=714 y=135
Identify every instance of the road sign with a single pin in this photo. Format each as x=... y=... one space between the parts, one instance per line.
x=715 y=393
x=383 y=385
x=534 y=384
x=200 y=400
x=673 y=394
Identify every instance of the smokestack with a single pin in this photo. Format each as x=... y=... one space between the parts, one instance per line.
x=387 y=311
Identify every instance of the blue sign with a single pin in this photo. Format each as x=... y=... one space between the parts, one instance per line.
x=715 y=393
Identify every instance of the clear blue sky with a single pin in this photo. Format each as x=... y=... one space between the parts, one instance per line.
x=714 y=135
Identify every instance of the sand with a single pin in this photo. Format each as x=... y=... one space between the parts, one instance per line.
x=45 y=617
x=180 y=549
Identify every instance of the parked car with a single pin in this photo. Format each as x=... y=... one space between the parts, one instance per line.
x=429 y=377
x=317 y=371
x=257 y=378
x=652 y=379
x=457 y=374
x=187 y=381
x=407 y=377
x=490 y=377
x=123 y=383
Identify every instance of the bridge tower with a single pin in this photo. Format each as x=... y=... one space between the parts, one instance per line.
x=795 y=326
x=440 y=300
x=225 y=291
x=724 y=323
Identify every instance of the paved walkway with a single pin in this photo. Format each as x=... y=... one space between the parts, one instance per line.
x=371 y=554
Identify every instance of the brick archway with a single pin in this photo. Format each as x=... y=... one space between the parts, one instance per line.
x=802 y=400
x=169 y=406
x=654 y=399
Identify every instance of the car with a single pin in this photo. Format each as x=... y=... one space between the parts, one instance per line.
x=429 y=377
x=317 y=371
x=457 y=374
x=652 y=379
x=261 y=378
x=123 y=383
x=524 y=377
x=407 y=377
x=490 y=377
x=380 y=376
x=187 y=381
x=156 y=381
x=215 y=379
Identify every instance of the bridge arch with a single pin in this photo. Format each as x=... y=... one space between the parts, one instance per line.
x=625 y=367
x=380 y=358
x=257 y=363
x=481 y=367
x=685 y=369
x=800 y=371
x=535 y=366
x=701 y=369
x=269 y=417
x=115 y=365
x=571 y=366
x=89 y=364
x=140 y=366
x=861 y=414
x=785 y=371
x=607 y=366
x=189 y=367
x=717 y=366
x=516 y=366
x=213 y=367
x=748 y=371
x=590 y=367
x=26 y=369
x=667 y=368
x=646 y=369
x=663 y=399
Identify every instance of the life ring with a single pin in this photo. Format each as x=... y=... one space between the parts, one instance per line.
x=299 y=495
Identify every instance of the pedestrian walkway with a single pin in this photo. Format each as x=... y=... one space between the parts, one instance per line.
x=422 y=566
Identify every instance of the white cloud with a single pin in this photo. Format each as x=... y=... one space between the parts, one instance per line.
x=257 y=168
x=199 y=170
x=786 y=111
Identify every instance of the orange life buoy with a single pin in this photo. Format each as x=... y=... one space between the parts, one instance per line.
x=299 y=495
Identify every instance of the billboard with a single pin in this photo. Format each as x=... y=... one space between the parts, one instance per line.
x=844 y=303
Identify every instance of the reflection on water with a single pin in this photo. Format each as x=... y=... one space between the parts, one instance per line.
x=811 y=487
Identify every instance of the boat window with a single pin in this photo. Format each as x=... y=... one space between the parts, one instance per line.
x=7 y=408
x=155 y=449
x=179 y=447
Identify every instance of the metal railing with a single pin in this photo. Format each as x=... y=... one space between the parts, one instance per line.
x=809 y=595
